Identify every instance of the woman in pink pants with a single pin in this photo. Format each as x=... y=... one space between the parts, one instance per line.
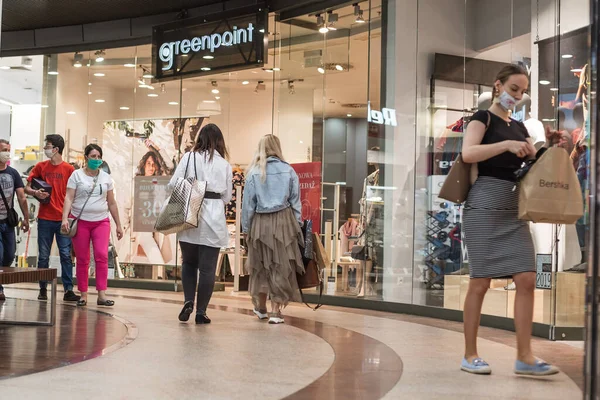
x=90 y=196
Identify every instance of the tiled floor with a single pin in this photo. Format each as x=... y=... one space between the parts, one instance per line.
x=329 y=354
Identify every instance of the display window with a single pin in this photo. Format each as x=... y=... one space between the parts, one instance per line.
x=371 y=102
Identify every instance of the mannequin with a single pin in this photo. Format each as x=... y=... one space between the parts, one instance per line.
x=534 y=127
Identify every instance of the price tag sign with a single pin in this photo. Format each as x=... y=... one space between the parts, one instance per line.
x=150 y=194
x=544 y=271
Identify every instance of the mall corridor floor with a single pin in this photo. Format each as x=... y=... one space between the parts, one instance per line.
x=143 y=352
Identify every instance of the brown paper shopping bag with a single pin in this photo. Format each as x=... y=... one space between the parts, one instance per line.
x=550 y=192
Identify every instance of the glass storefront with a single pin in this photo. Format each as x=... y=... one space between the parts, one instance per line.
x=371 y=101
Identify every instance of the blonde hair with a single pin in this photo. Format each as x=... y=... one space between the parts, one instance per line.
x=269 y=146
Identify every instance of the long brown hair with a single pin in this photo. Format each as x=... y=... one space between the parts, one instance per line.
x=506 y=73
x=210 y=140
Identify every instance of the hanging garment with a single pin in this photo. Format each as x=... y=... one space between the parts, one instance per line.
x=237 y=180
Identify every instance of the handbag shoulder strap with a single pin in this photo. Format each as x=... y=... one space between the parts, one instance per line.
x=4 y=199
x=89 y=195
x=487 y=126
x=192 y=153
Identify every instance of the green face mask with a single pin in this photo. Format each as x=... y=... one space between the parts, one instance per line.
x=94 y=164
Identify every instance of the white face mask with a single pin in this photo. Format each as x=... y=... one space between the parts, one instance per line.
x=507 y=101
x=49 y=153
x=4 y=156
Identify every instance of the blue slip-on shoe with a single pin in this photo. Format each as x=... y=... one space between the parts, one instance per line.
x=540 y=368
x=478 y=366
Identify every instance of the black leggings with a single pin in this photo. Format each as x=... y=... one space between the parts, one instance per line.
x=204 y=258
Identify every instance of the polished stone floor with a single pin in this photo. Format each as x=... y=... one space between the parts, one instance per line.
x=141 y=351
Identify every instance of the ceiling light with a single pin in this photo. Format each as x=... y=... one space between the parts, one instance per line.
x=173 y=103
x=358 y=13
x=348 y=115
x=567 y=56
x=339 y=67
x=99 y=74
x=89 y=83
x=152 y=95
x=53 y=73
x=45 y=105
x=215 y=85
x=78 y=57
x=262 y=30
x=5 y=67
x=245 y=83
x=147 y=76
x=544 y=82
x=89 y=92
x=209 y=101
x=99 y=55
x=215 y=91
x=208 y=57
x=268 y=70
x=301 y=142
x=128 y=65
x=71 y=112
x=276 y=69
x=554 y=89
x=205 y=69
x=217 y=97
x=321 y=24
x=331 y=19
x=100 y=101
x=321 y=70
x=124 y=108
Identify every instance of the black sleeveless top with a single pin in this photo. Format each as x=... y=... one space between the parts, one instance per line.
x=502 y=166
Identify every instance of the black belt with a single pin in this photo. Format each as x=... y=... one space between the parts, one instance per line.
x=212 y=195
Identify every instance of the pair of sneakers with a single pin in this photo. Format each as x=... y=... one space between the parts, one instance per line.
x=69 y=295
x=274 y=318
x=479 y=367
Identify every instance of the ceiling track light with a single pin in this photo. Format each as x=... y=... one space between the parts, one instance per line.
x=78 y=58
x=100 y=55
x=358 y=13
x=215 y=87
x=291 y=87
x=322 y=24
x=331 y=20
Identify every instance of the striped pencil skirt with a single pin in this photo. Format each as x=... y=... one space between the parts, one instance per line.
x=499 y=244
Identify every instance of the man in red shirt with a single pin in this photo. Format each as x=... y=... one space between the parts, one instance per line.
x=55 y=172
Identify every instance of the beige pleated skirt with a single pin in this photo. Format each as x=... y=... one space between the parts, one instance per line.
x=274 y=257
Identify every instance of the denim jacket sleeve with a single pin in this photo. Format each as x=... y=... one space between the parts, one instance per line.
x=295 y=196
x=248 y=204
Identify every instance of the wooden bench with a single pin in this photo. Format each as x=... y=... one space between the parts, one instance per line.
x=25 y=275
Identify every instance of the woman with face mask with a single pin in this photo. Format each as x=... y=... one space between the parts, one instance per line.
x=499 y=244
x=90 y=197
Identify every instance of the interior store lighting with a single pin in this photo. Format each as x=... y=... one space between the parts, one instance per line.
x=146 y=74
x=217 y=97
x=321 y=24
x=99 y=56
x=5 y=67
x=567 y=56
x=173 y=103
x=99 y=74
x=100 y=100
x=321 y=70
x=331 y=20
x=339 y=67
x=215 y=87
x=124 y=108
x=129 y=65
x=348 y=115
x=53 y=73
x=291 y=87
x=544 y=82
x=245 y=82
x=89 y=92
x=575 y=70
x=71 y=112
x=358 y=13
x=205 y=69
x=208 y=57
x=276 y=69
x=45 y=106
x=554 y=89
x=152 y=95
x=78 y=57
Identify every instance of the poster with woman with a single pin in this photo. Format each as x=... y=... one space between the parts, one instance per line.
x=144 y=154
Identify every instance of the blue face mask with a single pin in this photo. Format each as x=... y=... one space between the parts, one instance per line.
x=94 y=164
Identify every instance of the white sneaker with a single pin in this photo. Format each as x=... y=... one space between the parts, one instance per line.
x=276 y=319
x=261 y=316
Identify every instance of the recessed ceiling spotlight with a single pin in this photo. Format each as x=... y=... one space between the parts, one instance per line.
x=321 y=24
x=245 y=82
x=53 y=73
x=217 y=97
x=276 y=69
x=89 y=83
x=348 y=115
x=124 y=108
x=90 y=92
x=152 y=95
x=567 y=56
x=339 y=67
x=208 y=57
x=99 y=56
x=544 y=82
x=262 y=30
x=78 y=58
x=71 y=112
x=99 y=74
x=554 y=89
x=100 y=100
x=129 y=65
x=173 y=103
x=147 y=76
x=321 y=70
x=205 y=69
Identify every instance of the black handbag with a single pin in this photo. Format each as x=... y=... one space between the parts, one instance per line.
x=12 y=218
x=359 y=252
x=312 y=276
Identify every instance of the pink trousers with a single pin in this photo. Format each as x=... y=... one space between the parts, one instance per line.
x=98 y=233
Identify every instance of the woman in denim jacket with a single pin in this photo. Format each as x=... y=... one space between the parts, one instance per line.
x=271 y=214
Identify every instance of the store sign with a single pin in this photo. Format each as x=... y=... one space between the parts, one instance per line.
x=150 y=194
x=310 y=178
x=543 y=264
x=387 y=116
x=213 y=44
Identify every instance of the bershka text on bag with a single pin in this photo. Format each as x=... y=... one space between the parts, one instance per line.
x=554 y=185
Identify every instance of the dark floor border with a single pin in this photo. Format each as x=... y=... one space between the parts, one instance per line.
x=146 y=284
x=491 y=321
